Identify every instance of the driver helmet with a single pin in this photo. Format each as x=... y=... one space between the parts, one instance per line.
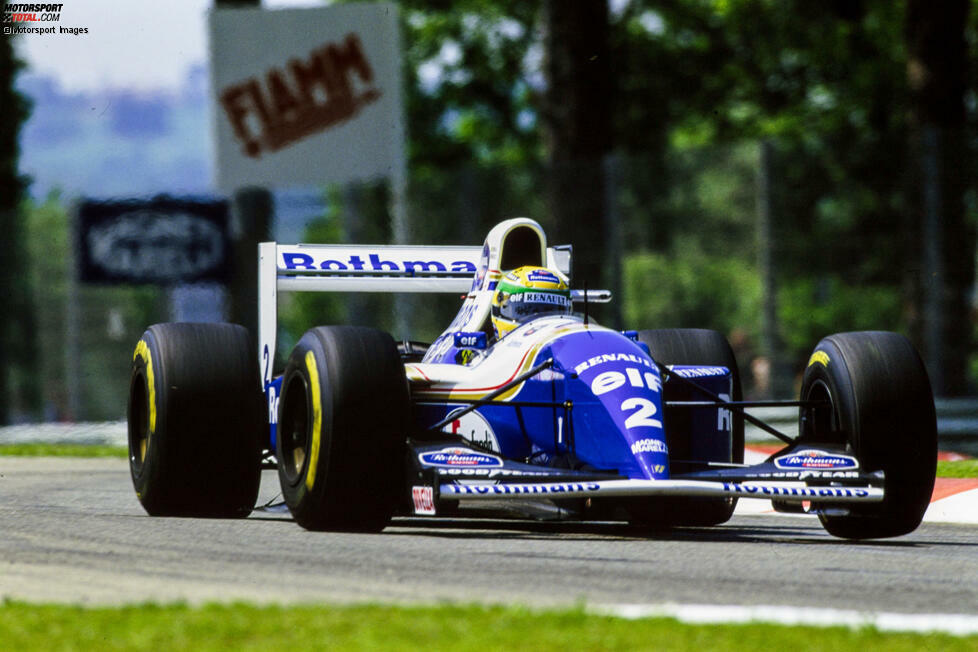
x=526 y=293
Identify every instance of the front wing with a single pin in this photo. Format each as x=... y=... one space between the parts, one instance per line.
x=627 y=487
x=454 y=471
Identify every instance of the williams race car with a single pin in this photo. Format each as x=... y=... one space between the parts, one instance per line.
x=522 y=406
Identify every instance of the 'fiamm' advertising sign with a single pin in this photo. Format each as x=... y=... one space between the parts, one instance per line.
x=306 y=96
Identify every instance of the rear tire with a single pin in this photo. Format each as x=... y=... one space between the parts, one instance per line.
x=342 y=428
x=691 y=346
x=195 y=415
x=882 y=410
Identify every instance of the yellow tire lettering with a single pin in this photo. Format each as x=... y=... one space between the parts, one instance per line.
x=821 y=357
x=317 y=419
x=142 y=351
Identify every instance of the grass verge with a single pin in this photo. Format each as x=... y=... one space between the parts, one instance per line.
x=959 y=469
x=247 y=627
x=64 y=450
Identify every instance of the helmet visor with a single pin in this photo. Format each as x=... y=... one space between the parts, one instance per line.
x=527 y=305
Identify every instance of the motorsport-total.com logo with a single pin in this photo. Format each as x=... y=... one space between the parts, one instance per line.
x=22 y=18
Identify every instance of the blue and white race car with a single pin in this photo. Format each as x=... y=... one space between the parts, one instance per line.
x=521 y=406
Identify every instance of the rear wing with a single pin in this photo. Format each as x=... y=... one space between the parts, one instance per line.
x=363 y=268
x=367 y=268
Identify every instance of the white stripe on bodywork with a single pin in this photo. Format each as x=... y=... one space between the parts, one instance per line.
x=444 y=381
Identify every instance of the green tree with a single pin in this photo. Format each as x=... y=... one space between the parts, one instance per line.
x=17 y=345
x=473 y=77
x=472 y=73
x=828 y=84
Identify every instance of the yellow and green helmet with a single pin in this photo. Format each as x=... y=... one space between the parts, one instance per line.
x=526 y=293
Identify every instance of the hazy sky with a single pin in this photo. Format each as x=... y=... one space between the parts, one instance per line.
x=138 y=44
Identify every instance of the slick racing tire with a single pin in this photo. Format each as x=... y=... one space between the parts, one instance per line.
x=878 y=404
x=196 y=417
x=691 y=346
x=342 y=429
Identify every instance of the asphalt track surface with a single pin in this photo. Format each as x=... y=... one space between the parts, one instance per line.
x=71 y=530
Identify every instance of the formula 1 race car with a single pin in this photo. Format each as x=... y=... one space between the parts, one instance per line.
x=521 y=406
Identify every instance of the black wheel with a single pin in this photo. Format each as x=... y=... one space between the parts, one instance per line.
x=879 y=405
x=691 y=346
x=342 y=428
x=196 y=418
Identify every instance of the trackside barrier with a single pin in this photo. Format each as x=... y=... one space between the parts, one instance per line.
x=957 y=427
x=111 y=433
x=957 y=424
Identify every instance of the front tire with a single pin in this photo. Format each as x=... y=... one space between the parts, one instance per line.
x=879 y=406
x=342 y=427
x=195 y=414
x=692 y=346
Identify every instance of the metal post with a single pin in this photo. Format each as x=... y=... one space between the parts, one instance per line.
x=400 y=218
x=73 y=323
x=356 y=305
x=933 y=282
x=251 y=219
x=251 y=216
x=612 y=227
x=780 y=384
